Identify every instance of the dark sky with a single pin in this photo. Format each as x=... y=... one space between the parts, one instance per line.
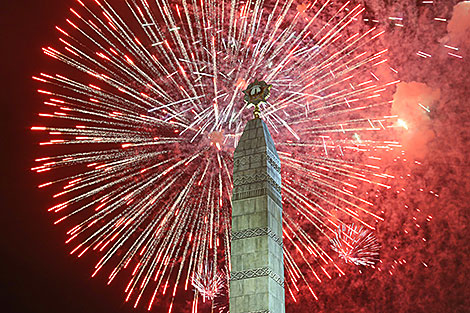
x=40 y=276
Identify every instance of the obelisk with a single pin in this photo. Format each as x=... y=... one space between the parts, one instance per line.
x=257 y=263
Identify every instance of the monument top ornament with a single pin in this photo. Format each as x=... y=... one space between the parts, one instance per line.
x=255 y=93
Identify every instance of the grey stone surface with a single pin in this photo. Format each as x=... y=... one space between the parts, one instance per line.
x=257 y=273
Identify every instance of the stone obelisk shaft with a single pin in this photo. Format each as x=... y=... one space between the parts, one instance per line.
x=257 y=264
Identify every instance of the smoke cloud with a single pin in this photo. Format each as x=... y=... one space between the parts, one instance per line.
x=413 y=102
x=459 y=26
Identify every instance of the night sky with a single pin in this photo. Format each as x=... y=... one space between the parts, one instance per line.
x=39 y=275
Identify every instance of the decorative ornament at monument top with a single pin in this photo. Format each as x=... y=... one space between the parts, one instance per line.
x=255 y=93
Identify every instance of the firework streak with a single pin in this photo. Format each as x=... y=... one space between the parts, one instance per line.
x=143 y=125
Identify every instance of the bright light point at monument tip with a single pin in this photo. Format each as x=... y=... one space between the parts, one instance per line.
x=158 y=131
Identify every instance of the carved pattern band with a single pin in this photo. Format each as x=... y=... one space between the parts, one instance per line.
x=257 y=177
x=272 y=160
x=256 y=232
x=257 y=272
x=255 y=158
x=274 y=184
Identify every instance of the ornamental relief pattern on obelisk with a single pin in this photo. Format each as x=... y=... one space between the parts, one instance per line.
x=255 y=232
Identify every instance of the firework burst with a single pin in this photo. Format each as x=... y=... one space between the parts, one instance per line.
x=143 y=126
x=208 y=284
x=356 y=245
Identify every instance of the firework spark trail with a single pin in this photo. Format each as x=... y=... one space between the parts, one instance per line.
x=146 y=123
